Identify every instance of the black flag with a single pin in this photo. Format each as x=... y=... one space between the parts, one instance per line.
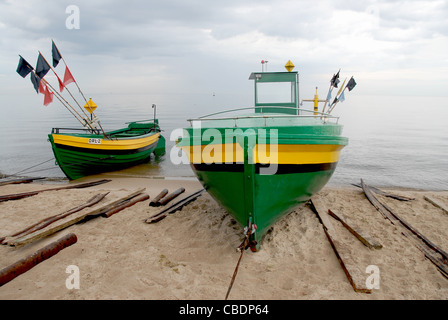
x=351 y=84
x=335 y=80
x=56 y=54
x=334 y=101
x=35 y=80
x=24 y=67
x=42 y=67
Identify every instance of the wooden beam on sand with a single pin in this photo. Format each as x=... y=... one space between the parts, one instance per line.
x=125 y=204
x=435 y=254
x=7 y=181
x=73 y=219
x=174 y=207
x=32 y=193
x=386 y=194
x=354 y=275
x=436 y=203
x=11 y=272
x=170 y=197
x=360 y=234
x=49 y=220
x=155 y=202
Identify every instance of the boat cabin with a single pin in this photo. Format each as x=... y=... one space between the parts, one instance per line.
x=276 y=92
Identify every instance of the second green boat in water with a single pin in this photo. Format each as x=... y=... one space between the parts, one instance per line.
x=261 y=165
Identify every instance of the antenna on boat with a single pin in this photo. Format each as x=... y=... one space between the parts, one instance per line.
x=263 y=63
x=154 y=107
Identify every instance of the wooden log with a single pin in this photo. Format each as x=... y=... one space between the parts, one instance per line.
x=125 y=204
x=32 y=193
x=360 y=234
x=154 y=202
x=171 y=196
x=64 y=224
x=174 y=207
x=354 y=275
x=436 y=203
x=11 y=272
x=49 y=220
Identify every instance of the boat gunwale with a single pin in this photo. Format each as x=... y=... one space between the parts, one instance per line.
x=316 y=114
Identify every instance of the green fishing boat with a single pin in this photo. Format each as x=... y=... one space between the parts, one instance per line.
x=83 y=153
x=90 y=149
x=261 y=163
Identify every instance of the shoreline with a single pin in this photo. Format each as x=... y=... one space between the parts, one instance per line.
x=190 y=255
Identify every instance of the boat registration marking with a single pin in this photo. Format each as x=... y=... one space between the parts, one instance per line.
x=94 y=141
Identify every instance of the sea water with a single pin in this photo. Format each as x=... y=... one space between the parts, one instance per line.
x=394 y=141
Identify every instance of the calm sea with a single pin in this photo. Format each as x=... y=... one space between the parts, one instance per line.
x=393 y=141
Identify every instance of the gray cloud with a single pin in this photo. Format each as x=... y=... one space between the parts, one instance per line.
x=189 y=40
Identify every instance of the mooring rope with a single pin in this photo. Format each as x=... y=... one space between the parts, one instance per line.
x=55 y=167
x=243 y=246
x=26 y=169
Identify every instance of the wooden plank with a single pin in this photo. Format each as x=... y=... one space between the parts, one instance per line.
x=436 y=203
x=386 y=194
x=125 y=204
x=64 y=224
x=174 y=207
x=32 y=193
x=360 y=234
x=318 y=208
x=354 y=275
x=49 y=220
x=7 y=181
x=374 y=201
x=435 y=254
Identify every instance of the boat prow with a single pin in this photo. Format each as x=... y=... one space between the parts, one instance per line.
x=262 y=165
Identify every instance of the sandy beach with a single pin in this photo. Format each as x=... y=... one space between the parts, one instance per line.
x=191 y=254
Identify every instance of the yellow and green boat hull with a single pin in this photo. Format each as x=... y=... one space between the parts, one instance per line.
x=82 y=154
x=257 y=181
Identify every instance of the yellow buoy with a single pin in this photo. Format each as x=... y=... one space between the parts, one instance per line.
x=90 y=106
x=289 y=66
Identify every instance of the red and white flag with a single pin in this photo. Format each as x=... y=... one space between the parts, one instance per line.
x=68 y=78
x=48 y=97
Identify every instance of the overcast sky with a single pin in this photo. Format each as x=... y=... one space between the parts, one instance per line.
x=390 y=47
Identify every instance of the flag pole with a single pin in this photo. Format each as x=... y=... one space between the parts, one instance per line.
x=80 y=91
x=325 y=105
x=75 y=81
x=85 y=114
x=46 y=82
x=332 y=86
x=62 y=100
x=337 y=100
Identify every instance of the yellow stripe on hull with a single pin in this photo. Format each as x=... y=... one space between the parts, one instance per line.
x=275 y=154
x=105 y=144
